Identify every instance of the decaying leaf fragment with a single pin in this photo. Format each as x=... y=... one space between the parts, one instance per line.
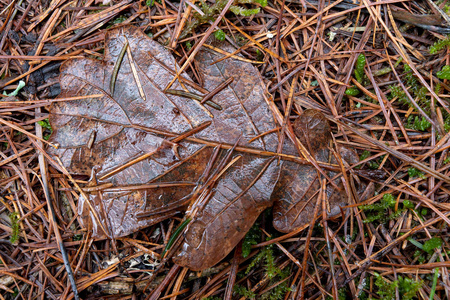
x=157 y=152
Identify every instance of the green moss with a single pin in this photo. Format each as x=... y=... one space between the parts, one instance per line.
x=416 y=90
x=245 y=12
x=386 y=290
x=408 y=204
x=382 y=211
x=210 y=12
x=444 y=73
x=273 y=273
x=219 y=35
x=417 y=123
x=413 y=173
x=447 y=160
x=427 y=249
x=353 y=91
x=14 y=218
x=439 y=45
x=432 y=244
x=407 y=287
x=251 y=238
x=242 y=291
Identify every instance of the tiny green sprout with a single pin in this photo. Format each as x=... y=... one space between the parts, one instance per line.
x=46 y=125
x=359 y=75
x=220 y=35
x=188 y=45
x=444 y=73
x=359 y=68
x=377 y=211
x=150 y=3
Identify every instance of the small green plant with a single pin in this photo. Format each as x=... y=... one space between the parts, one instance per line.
x=273 y=273
x=416 y=90
x=243 y=291
x=447 y=160
x=219 y=35
x=413 y=173
x=427 y=249
x=359 y=75
x=150 y=3
x=407 y=287
x=439 y=45
x=266 y=255
x=397 y=92
x=14 y=218
x=245 y=12
x=386 y=290
x=417 y=123
x=46 y=125
x=432 y=244
x=444 y=73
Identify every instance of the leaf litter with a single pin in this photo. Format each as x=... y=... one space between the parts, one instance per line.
x=398 y=120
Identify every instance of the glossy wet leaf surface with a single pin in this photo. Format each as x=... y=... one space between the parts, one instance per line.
x=126 y=138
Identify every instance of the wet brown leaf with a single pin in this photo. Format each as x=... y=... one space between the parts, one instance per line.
x=127 y=139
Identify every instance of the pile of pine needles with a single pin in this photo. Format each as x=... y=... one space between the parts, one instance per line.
x=377 y=68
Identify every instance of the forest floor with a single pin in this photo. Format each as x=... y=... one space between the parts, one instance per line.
x=377 y=70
